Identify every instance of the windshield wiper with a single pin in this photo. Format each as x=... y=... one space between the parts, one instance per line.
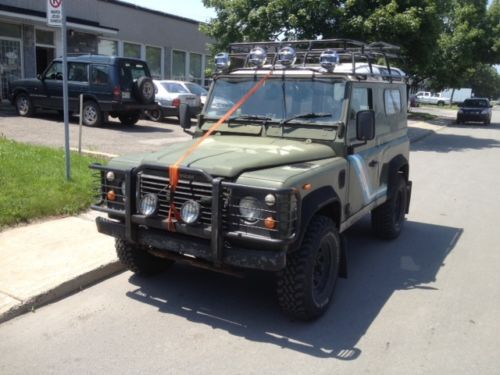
x=249 y=117
x=306 y=115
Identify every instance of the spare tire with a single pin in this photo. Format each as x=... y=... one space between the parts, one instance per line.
x=144 y=90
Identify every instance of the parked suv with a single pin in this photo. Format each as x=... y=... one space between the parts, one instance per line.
x=118 y=86
x=296 y=143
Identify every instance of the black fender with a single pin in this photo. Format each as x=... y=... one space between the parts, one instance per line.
x=318 y=202
x=391 y=170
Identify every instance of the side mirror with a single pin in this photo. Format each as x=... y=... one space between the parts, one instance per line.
x=365 y=125
x=184 y=116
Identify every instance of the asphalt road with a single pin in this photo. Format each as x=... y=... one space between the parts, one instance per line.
x=426 y=303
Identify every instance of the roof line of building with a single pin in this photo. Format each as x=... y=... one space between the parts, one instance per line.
x=36 y=13
x=157 y=12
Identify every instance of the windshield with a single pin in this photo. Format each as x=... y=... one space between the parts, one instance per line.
x=174 y=87
x=280 y=100
x=480 y=103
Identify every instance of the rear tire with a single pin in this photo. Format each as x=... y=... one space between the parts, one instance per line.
x=91 y=114
x=138 y=260
x=305 y=286
x=129 y=118
x=155 y=115
x=24 y=105
x=388 y=218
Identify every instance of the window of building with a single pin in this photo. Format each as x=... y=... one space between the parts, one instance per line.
x=10 y=30
x=44 y=37
x=392 y=99
x=179 y=65
x=107 y=47
x=132 y=50
x=195 y=68
x=153 y=58
x=45 y=49
x=77 y=72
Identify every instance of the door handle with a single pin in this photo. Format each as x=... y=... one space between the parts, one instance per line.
x=373 y=163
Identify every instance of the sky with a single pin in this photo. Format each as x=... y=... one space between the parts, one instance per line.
x=193 y=9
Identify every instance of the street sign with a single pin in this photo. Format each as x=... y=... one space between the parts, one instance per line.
x=54 y=12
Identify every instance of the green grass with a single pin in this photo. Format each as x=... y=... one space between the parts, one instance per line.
x=33 y=183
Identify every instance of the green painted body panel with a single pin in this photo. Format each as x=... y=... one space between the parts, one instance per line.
x=229 y=156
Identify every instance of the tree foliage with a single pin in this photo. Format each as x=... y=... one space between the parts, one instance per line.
x=440 y=39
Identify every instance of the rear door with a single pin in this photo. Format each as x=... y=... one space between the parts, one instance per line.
x=130 y=71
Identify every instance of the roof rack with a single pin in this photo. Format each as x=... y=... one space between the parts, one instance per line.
x=308 y=53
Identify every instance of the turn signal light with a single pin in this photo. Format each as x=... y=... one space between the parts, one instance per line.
x=270 y=223
x=111 y=195
x=176 y=102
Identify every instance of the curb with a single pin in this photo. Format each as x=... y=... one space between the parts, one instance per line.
x=64 y=290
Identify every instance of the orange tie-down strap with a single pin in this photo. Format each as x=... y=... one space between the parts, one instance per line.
x=174 y=169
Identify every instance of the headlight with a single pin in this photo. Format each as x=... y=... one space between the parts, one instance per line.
x=110 y=176
x=485 y=111
x=149 y=204
x=190 y=211
x=460 y=111
x=250 y=209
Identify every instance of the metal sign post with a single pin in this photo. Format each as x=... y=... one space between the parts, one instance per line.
x=56 y=16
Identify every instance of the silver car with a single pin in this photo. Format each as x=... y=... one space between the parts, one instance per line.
x=170 y=95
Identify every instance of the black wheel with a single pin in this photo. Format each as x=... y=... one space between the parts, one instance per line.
x=154 y=114
x=144 y=90
x=388 y=219
x=91 y=114
x=129 y=118
x=138 y=260
x=24 y=106
x=306 y=285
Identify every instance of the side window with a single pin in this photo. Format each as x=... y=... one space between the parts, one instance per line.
x=55 y=71
x=100 y=75
x=392 y=100
x=77 y=72
x=361 y=100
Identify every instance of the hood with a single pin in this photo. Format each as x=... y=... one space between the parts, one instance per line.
x=229 y=156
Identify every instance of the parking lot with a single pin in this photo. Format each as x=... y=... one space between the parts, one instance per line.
x=47 y=128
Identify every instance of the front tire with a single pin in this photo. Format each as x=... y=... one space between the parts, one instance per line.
x=24 y=105
x=138 y=260
x=305 y=286
x=92 y=115
x=388 y=218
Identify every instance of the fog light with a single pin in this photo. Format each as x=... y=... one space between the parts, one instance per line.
x=111 y=195
x=149 y=204
x=270 y=199
x=190 y=211
x=110 y=176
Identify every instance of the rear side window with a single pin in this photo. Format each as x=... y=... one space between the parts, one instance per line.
x=392 y=100
x=77 y=72
x=100 y=75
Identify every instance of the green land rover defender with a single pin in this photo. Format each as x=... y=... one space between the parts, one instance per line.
x=297 y=141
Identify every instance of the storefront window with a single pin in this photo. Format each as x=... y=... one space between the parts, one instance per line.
x=107 y=47
x=153 y=58
x=45 y=37
x=132 y=50
x=9 y=30
x=195 y=68
x=179 y=65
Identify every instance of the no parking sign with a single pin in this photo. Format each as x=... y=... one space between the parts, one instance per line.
x=54 y=12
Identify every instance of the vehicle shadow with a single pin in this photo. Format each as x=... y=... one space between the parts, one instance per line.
x=440 y=142
x=247 y=307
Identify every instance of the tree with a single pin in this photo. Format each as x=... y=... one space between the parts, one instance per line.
x=484 y=81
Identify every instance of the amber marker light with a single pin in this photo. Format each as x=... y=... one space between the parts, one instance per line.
x=270 y=223
x=111 y=195
x=307 y=187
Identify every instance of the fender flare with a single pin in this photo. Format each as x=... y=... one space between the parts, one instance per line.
x=397 y=164
x=310 y=206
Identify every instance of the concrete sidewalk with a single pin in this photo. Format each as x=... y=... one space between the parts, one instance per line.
x=43 y=262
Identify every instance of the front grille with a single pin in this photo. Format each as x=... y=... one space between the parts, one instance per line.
x=190 y=187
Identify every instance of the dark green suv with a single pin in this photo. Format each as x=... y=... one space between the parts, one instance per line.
x=120 y=87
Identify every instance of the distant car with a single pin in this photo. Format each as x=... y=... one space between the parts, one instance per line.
x=118 y=86
x=426 y=97
x=196 y=89
x=476 y=109
x=170 y=95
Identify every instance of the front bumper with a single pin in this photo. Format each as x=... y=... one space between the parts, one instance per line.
x=473 y=117
x=268 y=260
